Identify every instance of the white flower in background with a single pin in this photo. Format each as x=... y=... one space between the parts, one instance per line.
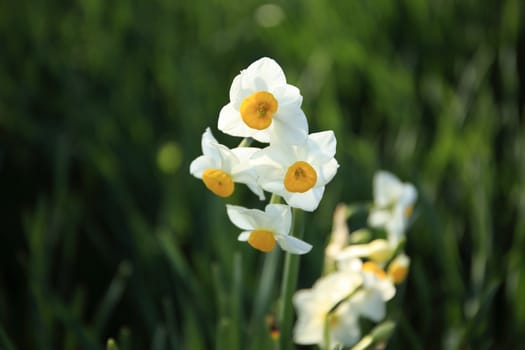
x=263 y=106
x=398 y=268
x=393 y=205
x=315 y=309
x=220 y=167
x=338 y=237
x=378 y=250
x=377 y=288
x=262 y=229
x=298 y=173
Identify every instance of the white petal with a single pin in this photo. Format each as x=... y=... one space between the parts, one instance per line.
x=302 y=299
x=256 y=189
x=245 y=153
x=249 y=178
x=221 y=156
x=273 y=184
x=281 y=217
x=336 y=286
x=264 y=74
x=260 y=135
x=237 y=93
x=292 y=244
x=347 y=331
x=327 y=172
x=289 y=126
x=308 y=330
x=270 y=173
x=409 y=194
x=322 y=146
x=354 y=251
x=209 y=144
x=379 y=218
x=369 y=304
x=229 y=160
x=309 y=326
x=230 y=122
x=281 y=154
x=243 y=237
x=386 y=289
x=351 y=265
x=246 y=219
x=200 y=164
x=308 y=201
x=242 y=159
x=288 y=96
x=396 y=228
x=244 y=172
x=387 y=188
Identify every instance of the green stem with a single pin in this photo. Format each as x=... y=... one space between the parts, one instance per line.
x=246 y=142
x=265 y=289
x=289 y=285
x=235 y=302
x=276 y=199
x=326 y=332
x=264 y=293
x=267 y=277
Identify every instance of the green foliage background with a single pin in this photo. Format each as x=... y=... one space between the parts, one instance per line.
x=102 y=104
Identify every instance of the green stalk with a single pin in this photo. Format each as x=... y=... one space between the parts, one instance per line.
x=246 y=142
x=264 y=291
x=258 y=327
x=235 y=302
x=289 y=285
x=326 y=332
x=265 y=288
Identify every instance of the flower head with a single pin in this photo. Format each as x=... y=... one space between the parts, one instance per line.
x=393 y=205
x=377 y=288
x=220 y=167
x=325 y=304
x=263 y=229
x=263 y=106
x=298 y=173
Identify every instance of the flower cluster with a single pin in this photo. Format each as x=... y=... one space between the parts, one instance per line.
x=393 y=206
x=361 y=270
x=295 y=165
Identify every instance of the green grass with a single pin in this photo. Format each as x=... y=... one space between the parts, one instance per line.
x=102 y=103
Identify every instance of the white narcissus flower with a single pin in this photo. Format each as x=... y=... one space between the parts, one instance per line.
x=263 y=106
x=377 y=288
x=298 y=173
x=220 y=167
x=263 y=229
x=370 y=302
x=315 y=309
x=338 y=237
x=393 y=205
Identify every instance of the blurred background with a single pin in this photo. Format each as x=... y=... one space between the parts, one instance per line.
x=102 y=105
